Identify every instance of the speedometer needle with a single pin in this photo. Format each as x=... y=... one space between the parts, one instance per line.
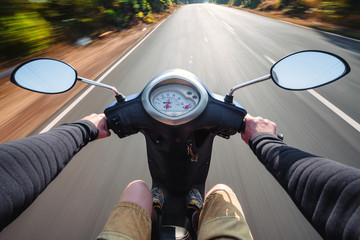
x=187 y=106
x=167 y=104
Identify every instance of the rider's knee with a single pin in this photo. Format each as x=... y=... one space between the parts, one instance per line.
x=220 y=187
x=138 y=184
x=137 y=190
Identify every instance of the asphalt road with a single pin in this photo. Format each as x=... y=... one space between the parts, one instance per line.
x=224 y=47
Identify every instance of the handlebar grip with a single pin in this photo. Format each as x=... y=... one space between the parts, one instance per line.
x=281 y=136
x=242 y=126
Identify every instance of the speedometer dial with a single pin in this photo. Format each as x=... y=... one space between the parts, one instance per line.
x=174 y=99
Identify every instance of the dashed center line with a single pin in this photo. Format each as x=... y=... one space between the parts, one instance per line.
x=213 y=15
x=230 y=29
x=328 y=104
x=270 y=59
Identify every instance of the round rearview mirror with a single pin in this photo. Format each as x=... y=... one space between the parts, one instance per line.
x=308 y=69
x=44 y=75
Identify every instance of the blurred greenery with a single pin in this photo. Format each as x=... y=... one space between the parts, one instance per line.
x=23 y=33
x=28 y=26
x=340 y=12
x=343 y=6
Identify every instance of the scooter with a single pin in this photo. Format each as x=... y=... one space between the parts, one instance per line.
x=180 y=118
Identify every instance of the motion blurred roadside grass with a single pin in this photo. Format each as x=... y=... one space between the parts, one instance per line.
x=336 y=16
x=23 y=111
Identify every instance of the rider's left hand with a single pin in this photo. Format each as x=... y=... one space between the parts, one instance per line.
x=99 y=120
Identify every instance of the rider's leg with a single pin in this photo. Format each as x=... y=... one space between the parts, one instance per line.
x=137 y=192
x=222 y=216
x=130 y=218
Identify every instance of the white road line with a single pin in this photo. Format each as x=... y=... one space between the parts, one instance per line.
x=230 y=29
x=213 y=15
x=67 y=110
x=270 y=59
x=71 y=106
x=321 y=31
x=327 y=103
x=335 y=109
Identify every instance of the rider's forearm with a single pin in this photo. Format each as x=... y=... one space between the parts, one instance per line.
x=28 y=165
x=326 y=192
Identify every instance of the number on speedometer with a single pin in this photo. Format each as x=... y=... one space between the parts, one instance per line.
x=174 y=99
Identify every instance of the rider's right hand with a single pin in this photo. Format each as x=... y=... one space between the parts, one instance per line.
x=256 y=124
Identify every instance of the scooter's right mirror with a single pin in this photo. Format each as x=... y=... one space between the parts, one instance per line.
x=308 y=69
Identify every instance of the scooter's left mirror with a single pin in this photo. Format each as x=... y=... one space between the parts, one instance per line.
x=44 y=75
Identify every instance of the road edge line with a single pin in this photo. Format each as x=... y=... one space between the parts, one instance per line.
x=107 y=72
x=328 y=104
x=299 y=25
x=335 y=109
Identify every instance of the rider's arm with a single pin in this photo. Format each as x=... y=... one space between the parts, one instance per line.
x=325 y=191
x=28 y=165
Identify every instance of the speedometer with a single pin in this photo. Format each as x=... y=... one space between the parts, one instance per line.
x=174 y=99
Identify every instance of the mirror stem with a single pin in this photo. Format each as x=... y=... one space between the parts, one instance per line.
x=119 y=96
x=229 y=97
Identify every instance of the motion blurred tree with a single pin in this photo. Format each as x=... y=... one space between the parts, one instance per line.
x=354 y=4
x=22 y=30
x=160 y=5
x=251 y=3
x=121 y=13
x=72 y=19
x=222 y=1
x=10 y=7
x=237 y=3
x=27 y=26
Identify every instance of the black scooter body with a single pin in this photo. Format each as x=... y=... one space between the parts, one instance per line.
x=178 y=156
x=170 y=163
x=179 y=143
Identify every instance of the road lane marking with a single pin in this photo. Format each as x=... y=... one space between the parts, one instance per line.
x=230 y=29
x=213 y=15
x=270 y=59
x=321 y=31
x=191 y=58
x=328 y=104
x=249 y=49
x=71 y=106
x=67 y=110
x=335 y=109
